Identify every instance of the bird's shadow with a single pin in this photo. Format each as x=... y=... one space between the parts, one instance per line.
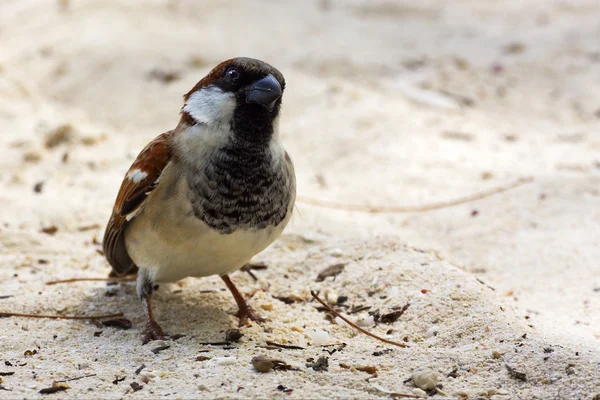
x=196 y=312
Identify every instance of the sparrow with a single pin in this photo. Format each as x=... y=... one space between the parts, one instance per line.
x=207 y=196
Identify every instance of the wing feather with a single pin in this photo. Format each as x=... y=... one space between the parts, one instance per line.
x=141 y=178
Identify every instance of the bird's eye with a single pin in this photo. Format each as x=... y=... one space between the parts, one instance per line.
x=232 y=74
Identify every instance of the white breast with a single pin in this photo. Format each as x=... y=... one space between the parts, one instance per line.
x=167 y=240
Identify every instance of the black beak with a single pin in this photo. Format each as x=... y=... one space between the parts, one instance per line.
x=264 y=92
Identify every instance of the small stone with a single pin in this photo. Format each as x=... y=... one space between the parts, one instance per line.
x=336 y=252
x=496 y=354
x=32 y=156
x=432 y=331
x=425 y=379
x=263 y=363
x=267 y=306
x=331 y=296
x=225 y=360
x=393 y=292
x=419 y=392
x=320 y=338
x=365 y=322
x=233 y=335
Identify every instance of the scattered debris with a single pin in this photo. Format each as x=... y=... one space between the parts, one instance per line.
x=289 y=299
x=117 y=380
x=248 y=268
x=320 y=338
x=29 y=353
x=284 y=389
x=425 y=379
x=56 y=387
x=76 y=379
x=49 y=230
x=516 y=374
x=358 y=309
x=136 y=386
x=88 y=227
x=514 y=48
x=284 y=346
x=432 y=331
x=333 y=270
x=32 y=156
x=225 y=360
x=160 y=348
x=393 y=316
x=233 y=335
x=98 y=333
x=264 y=364
x=60 y=135
x=202 y=358
x=340 y=347
x=7 y=373
x=122 y=323
x=6 y=296
x=163 y=76
x=137 y=371
x=38 y=187
x=337 y=314
x=322 y=364
x=177 y=336
x=382 y=352
x=368 y=368
x=214 y=343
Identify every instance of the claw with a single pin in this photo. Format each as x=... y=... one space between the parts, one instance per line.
x=248 y=314
x=154 y=332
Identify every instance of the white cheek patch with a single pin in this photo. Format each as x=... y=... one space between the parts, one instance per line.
x=210 y=105
x=137 y=175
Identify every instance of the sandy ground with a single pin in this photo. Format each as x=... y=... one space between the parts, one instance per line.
x=389 y=102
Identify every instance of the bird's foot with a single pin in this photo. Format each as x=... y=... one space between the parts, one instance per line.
x=154 y=332
x=247 y=314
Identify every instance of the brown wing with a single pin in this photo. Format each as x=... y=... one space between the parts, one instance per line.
x=140 y=180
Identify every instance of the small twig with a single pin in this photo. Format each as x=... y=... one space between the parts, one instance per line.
x=91 y=317
x=358 y=328
x=284 y=346
x=76 y=379
x=126 y=278
x=407 y=209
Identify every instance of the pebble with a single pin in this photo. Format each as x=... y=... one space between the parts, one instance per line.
x=432 y=331
x=263 y=363
x=337 y=252
x=320 y=338
x=331 y=296
x=393 y=292
x=496 y=354
x=225 y=360
x=425 y=379
x=366 y=321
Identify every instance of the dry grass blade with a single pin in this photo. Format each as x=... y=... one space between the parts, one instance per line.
x=407 y=209
x=352 y=324
x=84 y=317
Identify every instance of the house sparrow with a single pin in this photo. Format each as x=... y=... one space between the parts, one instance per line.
x=206 y=197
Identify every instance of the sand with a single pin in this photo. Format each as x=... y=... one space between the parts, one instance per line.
x=388 y=103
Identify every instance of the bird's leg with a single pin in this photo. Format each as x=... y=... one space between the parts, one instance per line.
x=245 y=312
x=144 y=291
